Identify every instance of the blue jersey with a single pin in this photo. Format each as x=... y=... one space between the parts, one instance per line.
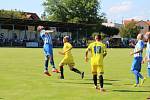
x=148 y=53
x=46 y=37
x=139 y=46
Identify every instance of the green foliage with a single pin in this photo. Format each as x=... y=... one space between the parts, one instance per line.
x=79 y=11
x=102 y=35
x=74 y=11
x=12 y=14
x=108 y=31
x=130 y=30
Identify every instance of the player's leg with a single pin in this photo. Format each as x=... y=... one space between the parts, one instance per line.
x=50 y=51
x=46 y=60
x=61 y=72
x=72 y=68
x=94 y=72
x=138 y=71
x=61 y=65
x=134 y=70
x=141 y=77
x=148 y=69
x=101 y=80
x=136 y=77
x=52 y=60
x=53 y=64
x=46 y=65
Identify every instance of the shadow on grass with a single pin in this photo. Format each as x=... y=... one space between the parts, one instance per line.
x=128 y=84
x=128 y=91
x=104 y=80
x=83 y=83
x=110 y=80
x=1 y=98
x=148 y=98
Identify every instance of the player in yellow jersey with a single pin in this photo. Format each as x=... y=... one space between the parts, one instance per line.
x=98 y=52
x=68 y=58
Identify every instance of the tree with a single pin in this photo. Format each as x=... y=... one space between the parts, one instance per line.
x=130 y=30
x=12 y=14
x=74 y=11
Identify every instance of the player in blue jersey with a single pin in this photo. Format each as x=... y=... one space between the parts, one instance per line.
x=48 y=49
x=147 y=56
x=136 y=64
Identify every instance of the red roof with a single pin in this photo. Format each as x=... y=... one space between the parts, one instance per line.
x=129 y=21
x=32 y=16
x=132 y=20
x=148 y=22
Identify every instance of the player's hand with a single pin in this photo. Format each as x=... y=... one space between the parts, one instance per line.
x=143 y=61
x=61 y=53
x=148 y=60
x=131 y=53
x=86 y=59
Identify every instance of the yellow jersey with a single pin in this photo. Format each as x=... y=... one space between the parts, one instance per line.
x=67 y=46
x=98 y=50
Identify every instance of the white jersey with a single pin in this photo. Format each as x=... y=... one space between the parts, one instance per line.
x=139 y=46
x=148 y=53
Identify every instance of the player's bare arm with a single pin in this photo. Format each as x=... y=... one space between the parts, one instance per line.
x=105 y=53
x=131 y=53
x=86 y=55
x=61 y=53
x=49 y=31
x=68 y=50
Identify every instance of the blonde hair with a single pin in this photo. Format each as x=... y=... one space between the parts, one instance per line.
x=67 y=38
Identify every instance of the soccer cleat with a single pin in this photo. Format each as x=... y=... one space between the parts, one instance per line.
x=102 y=90
x=55 y=70
x=142 y=81
x=97 y=88
x=61 y=77
x=135 y=85
x=47 y=73
x=82 y=75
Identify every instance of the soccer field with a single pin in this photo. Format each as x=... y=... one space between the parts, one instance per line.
x=22 y=78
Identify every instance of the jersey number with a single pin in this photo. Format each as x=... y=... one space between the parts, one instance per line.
x=97 y=49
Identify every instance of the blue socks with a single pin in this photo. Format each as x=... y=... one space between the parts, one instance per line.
x=46 y=65
x=148 y=72
x=137 y=76
x=52 y=62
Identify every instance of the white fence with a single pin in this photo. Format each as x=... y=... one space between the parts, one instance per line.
x=17 y=34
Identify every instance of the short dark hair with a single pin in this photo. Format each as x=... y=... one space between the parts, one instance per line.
x=98 y=37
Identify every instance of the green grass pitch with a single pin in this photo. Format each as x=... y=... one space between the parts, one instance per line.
x=22 y=78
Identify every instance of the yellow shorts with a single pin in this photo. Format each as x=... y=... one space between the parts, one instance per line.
x=97 y=69
x=67 y=61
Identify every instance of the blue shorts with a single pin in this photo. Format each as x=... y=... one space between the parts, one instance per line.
x=136 y=64
x=48 y=50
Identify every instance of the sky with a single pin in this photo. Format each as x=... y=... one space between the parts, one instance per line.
x=116 y=10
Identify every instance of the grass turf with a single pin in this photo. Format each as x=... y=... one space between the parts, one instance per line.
x=22 y=78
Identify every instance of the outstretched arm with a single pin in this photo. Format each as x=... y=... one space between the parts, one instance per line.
x=86 y=55
x=68 y=50
x=49 y=31
x=105 y=51
x=131 y=53
x=63 y=53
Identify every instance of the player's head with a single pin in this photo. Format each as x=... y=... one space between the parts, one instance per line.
x=98 y=37
x=140 y=36
x=39 y=28
x=147 y=36
x=66 y=39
